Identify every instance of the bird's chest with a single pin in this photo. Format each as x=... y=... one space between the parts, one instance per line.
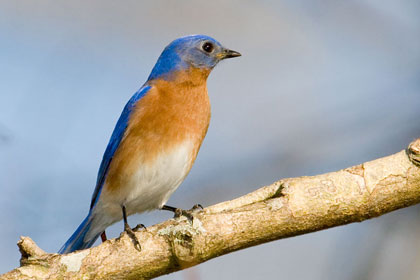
x=162 y=140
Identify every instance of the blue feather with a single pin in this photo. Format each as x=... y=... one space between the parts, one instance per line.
x=181 y=54
x=114 y=142
x=168 y=62
x=77 y=240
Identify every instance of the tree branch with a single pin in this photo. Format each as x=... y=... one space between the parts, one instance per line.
x=286 y=208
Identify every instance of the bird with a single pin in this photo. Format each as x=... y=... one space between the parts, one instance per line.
x=155 y=141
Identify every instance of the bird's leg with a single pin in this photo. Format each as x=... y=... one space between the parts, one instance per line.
x=129 y=231
x=103 y=237
x=178 y=212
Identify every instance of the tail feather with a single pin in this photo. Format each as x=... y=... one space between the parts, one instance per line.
x=77 y=240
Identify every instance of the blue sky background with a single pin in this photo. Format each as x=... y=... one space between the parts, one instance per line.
x=321 y=85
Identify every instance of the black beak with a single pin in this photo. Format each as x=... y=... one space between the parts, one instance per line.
x=230 y=53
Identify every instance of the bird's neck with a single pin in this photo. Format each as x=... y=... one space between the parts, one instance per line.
x=190 y=77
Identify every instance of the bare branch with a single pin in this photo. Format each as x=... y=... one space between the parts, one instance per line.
x=286 y=208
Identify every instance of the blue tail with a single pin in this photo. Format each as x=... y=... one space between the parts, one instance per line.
x=77 y=240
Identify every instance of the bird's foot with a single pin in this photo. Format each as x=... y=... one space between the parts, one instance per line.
x=197 y=207
x=139 y=227
x=178 y=212
x=132 y=235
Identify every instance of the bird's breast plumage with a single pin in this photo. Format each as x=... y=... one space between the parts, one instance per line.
x=164 y=133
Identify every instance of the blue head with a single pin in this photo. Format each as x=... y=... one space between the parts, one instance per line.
x=198 y=51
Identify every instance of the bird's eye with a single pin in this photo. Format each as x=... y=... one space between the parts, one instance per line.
x=207 y=47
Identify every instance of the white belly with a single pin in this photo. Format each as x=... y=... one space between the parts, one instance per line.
x=147 y=189
x=152 y=185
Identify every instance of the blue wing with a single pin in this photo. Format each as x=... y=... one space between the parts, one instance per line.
x=114 y=142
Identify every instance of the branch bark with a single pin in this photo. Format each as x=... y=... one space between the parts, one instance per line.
x=286 y=208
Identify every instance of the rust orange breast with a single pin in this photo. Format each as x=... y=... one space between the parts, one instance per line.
x=170 y=113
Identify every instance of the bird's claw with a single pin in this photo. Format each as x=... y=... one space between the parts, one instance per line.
x=197 y=207
x=139 y=227
x=188 y=213
x=133 y=237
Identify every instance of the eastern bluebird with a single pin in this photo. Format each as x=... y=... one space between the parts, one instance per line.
x=155 y=141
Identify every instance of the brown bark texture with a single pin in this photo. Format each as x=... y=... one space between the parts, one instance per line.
x=286 y=208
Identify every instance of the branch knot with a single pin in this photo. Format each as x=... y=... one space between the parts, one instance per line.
x=413 y=152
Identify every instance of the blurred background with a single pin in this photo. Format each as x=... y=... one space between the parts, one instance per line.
x=321 y=86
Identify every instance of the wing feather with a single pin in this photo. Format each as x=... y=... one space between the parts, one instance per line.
x=114 y=142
